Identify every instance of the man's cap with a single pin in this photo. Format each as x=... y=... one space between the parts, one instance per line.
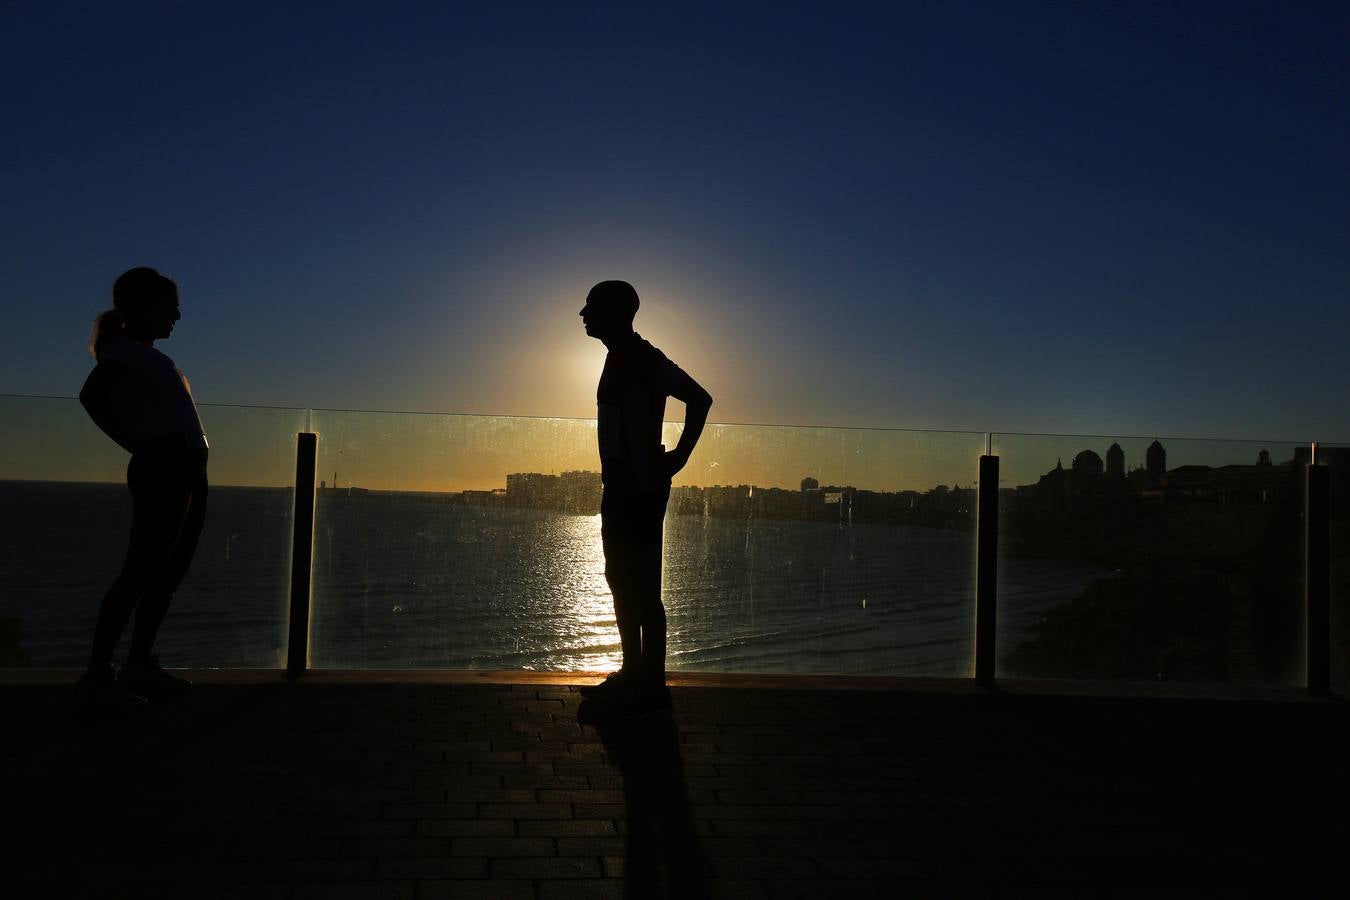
x=613 y=298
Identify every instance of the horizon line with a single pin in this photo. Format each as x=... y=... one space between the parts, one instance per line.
x=901 y=428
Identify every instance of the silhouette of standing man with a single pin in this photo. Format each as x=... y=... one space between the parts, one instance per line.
x=636 y=470
x=141 y=400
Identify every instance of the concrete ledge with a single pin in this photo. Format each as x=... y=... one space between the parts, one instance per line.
x=1047 y=687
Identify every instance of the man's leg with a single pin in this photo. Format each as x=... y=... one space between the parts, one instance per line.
x=648 y=578
x=618 y=574
x=652 y=615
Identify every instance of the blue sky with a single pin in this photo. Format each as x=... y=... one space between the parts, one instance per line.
x=1121 y=218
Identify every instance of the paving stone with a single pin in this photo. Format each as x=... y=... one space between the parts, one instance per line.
x=370 y=890
x=766 y=867
x=587 y=796
x=803 y=812
x=287 y=846
x=586 y=770
x=737 y=889
x=590 y=846
x=759 y=828
x=724 y=811
x=465 y=827
x=485 y=757
x=547 y=867
x=811 y=847
x=566 y=828
x=888 y=868
x=241 y=891
x=812 y=889
x=611 y=811
x=442 y=746
x=453 y=780
x=731 y=847
x=490 y=795
x=340 y=827
x=525 y=811
x=496 y=889
x=497 y=847
x=582 y=889
x=402 y=847
x=526 y=781
x=455 y=810
x=434 y=868
x=201 y=866
x=315 y=870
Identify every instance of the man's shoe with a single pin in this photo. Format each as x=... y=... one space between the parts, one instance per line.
x=101 y=692
x=613 y=682
x=150 y=681
x=653 y=700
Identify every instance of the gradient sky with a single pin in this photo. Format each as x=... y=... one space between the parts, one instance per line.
x=1114 y=218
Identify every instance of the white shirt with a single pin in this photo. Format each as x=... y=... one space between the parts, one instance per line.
x=157 y=399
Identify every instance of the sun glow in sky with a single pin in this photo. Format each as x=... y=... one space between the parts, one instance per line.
x=1102 y=219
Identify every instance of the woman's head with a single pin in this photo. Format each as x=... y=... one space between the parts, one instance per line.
x=145 y=306
x=147 y=302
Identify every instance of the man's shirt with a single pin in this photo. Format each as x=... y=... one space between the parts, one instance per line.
x=631 y=406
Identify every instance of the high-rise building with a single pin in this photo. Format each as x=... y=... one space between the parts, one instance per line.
x=1155 y=460
x=1115 y=461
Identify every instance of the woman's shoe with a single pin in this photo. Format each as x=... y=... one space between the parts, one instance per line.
x=150 y=681
x=102 y=692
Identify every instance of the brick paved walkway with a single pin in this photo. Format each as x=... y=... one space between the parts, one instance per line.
x=495 y=791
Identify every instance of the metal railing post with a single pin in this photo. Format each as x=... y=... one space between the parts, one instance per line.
x=1317 y=576
x=302 y=553
x=986 y=570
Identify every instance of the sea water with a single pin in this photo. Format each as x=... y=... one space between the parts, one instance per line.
x=420 y=581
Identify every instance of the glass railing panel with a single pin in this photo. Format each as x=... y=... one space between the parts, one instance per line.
x=1120 y=558
x=825 y=551
x=66 y=523
x=1337 y=457
x=474 y=542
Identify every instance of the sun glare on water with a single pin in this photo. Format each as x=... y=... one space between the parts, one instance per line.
x=589 y=638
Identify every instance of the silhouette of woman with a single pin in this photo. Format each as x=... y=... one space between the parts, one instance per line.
x=141 y=400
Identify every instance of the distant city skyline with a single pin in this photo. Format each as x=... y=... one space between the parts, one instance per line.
x=1154 y=472
x=54 y=440
x=1086 y=218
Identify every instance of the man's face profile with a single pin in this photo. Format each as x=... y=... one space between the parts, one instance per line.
x=609 y=308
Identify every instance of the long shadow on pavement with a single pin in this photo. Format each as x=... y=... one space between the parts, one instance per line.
x=659 y=826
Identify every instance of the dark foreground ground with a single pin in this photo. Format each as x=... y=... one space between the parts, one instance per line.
x=495 y=791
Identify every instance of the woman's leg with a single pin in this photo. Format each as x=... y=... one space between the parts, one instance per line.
x=158 y=513
x=158 y=594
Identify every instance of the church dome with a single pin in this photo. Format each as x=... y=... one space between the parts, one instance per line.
x=1088 y=463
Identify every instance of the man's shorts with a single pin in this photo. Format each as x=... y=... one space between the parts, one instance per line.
x=633 y=517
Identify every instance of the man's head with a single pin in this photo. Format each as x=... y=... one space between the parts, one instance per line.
x=609 y=309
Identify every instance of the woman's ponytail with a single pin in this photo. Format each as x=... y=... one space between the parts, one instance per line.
x=107 y=325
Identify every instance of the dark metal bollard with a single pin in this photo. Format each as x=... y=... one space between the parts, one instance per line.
x=302 y=553
x=1317 y=579
x=986 y=570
